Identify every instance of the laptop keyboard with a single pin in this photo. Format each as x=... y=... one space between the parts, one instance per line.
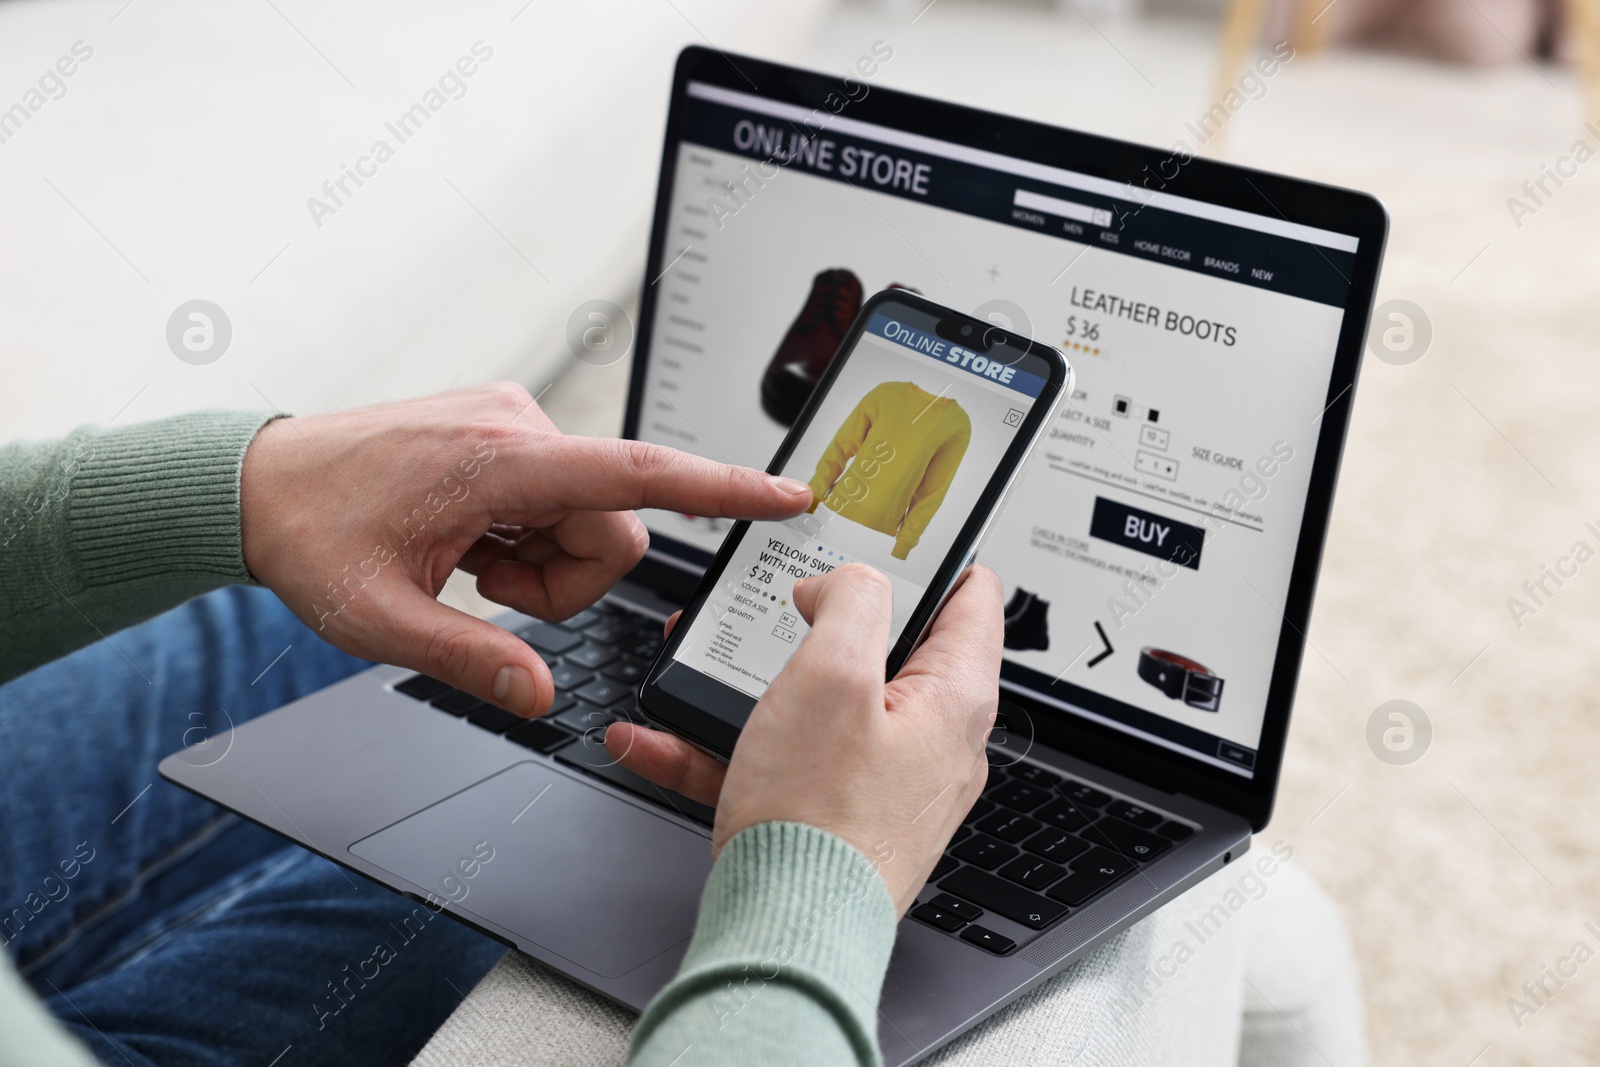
x=597 y=659
x=1036 y=845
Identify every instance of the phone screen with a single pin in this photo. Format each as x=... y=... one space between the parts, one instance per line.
x=909 y=442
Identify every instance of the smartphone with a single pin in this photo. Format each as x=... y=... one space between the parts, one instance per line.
x=910 y=441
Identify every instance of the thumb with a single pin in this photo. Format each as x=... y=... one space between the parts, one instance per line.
x=476 y=657
x=848 y=610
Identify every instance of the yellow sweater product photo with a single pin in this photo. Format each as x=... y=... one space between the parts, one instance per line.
x=892 y=460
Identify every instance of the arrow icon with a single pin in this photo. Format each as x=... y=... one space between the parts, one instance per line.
x=1101 y=631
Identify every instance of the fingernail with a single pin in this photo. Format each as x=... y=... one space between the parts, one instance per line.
x=792 y=487
x=513 y=690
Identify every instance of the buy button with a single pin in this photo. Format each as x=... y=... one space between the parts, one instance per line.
x=1144 y=531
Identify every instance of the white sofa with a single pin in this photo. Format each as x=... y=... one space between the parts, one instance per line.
x=1272 y=984
x=177 y=161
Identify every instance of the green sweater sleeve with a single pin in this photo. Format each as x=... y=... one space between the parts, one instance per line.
x=106 y=528
x=787 y=960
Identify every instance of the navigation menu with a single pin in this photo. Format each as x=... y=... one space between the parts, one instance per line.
x=1125 y=226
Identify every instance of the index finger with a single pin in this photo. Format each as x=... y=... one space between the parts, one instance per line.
x=608 y=474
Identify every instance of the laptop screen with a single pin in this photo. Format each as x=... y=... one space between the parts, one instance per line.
x=1147 y=550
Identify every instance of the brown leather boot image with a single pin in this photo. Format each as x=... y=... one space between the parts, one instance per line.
x=810 y=345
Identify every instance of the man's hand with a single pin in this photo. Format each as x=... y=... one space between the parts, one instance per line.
x=890 y=768
x=357 y=519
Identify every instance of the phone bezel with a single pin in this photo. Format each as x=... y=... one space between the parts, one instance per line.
x=715 y=734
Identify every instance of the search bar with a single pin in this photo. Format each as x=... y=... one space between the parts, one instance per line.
x=1067 y=209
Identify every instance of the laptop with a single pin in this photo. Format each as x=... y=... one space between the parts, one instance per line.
x=1159 y=552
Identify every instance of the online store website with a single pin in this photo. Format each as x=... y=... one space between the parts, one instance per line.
x=897 y=455
x=1146 y=549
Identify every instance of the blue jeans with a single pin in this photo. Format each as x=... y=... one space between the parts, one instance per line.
x=161 y=929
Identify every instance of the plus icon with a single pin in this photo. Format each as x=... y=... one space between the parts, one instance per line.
x=994 y=272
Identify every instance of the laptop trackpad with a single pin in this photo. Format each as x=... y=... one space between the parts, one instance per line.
x=557 y=862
